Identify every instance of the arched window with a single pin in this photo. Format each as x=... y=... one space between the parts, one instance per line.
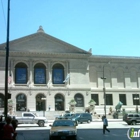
x=58 y=74
x=1 y=100
x=59 y=102
x=40 y=102
x=39 y=74
x=21 y=102
x=21 y=73
x=79 y=100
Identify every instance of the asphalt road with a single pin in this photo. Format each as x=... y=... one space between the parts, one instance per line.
x=92 y=131
x=83 y=134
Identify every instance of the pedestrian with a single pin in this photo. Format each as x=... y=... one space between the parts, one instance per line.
x=102 y=118
x=105 y=124
x=49 y=108
x=14 y=123
x=8 y=130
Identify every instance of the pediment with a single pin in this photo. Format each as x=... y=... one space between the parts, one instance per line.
x=42 y=42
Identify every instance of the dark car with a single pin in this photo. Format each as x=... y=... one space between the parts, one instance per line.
x=65 y=116
x=81 y=117
x=131 y=118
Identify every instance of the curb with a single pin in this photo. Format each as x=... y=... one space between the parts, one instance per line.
x=97 y=120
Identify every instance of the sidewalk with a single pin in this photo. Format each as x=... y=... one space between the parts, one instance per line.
x=97 y=120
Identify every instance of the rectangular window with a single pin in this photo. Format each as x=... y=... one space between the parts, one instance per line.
x=109 y=100
x=136 y=100
x=122 y=98
x=21 y=76
x=95 y=97
x=40 y=77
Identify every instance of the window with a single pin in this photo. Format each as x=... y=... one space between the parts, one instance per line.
x=21 y=73
x=131 y=115
x=122 y=98
x=109 y=100
x=21 y=102
x=28 y=115
x=136 y=115
x=39 y=74
x=79 y=100
x=58 y=74
x=95 y=98
x=136 y=99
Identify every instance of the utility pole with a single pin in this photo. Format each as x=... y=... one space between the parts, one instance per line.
x=6 y=62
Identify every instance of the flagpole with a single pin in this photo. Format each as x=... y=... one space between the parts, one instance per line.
x=6 y=62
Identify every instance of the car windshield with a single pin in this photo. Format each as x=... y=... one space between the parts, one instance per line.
x=75 y=115
x=63 y=123
x=35 y=114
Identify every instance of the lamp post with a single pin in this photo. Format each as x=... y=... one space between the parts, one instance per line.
x=6 y=62
x=104 y=90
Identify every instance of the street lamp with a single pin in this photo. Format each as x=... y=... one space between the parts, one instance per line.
x=6 y=62
x=104 y=90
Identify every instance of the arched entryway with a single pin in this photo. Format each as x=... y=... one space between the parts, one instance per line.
x=59 y=102
x=79 y=100
x=1 y=100
x=21 y=102
x=40 y=102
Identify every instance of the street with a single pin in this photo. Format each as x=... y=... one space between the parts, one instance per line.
x=92 y=131
x=83 y=134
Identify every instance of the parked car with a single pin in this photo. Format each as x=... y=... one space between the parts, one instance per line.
x=31 y=118
x=81 y=117
x=63 y=129
x=131 y=118
x=65 y=116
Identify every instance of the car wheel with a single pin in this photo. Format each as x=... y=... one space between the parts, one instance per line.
x=133 y=122
x=88 y=121
x=41 y=123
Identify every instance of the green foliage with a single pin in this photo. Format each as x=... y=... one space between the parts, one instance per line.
x=72 y=101
x=92 y=101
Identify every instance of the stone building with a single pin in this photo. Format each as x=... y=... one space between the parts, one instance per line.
x=46 y=73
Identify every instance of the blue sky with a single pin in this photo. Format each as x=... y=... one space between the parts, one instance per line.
x=109 y=27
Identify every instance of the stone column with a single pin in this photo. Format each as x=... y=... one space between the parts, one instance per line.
x=30 y=70
x=12 y=72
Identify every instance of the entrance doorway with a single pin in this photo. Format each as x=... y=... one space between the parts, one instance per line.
x=40 y=102
x=59 y=102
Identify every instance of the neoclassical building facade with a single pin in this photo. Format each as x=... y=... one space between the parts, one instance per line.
x=45 y=72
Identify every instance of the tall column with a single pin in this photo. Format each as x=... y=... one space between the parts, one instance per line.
x=49 y=72
x=12 y=71
x=30 y=72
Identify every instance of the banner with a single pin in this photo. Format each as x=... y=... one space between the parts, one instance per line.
x=58 y=76
x=40 y=77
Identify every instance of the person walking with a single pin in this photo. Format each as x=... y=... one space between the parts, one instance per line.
x=105 y=124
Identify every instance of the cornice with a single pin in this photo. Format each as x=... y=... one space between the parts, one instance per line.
x=115 y=90
x=46 y=55
x=112 y=59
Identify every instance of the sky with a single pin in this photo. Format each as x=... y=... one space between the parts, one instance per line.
x=108 y=27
